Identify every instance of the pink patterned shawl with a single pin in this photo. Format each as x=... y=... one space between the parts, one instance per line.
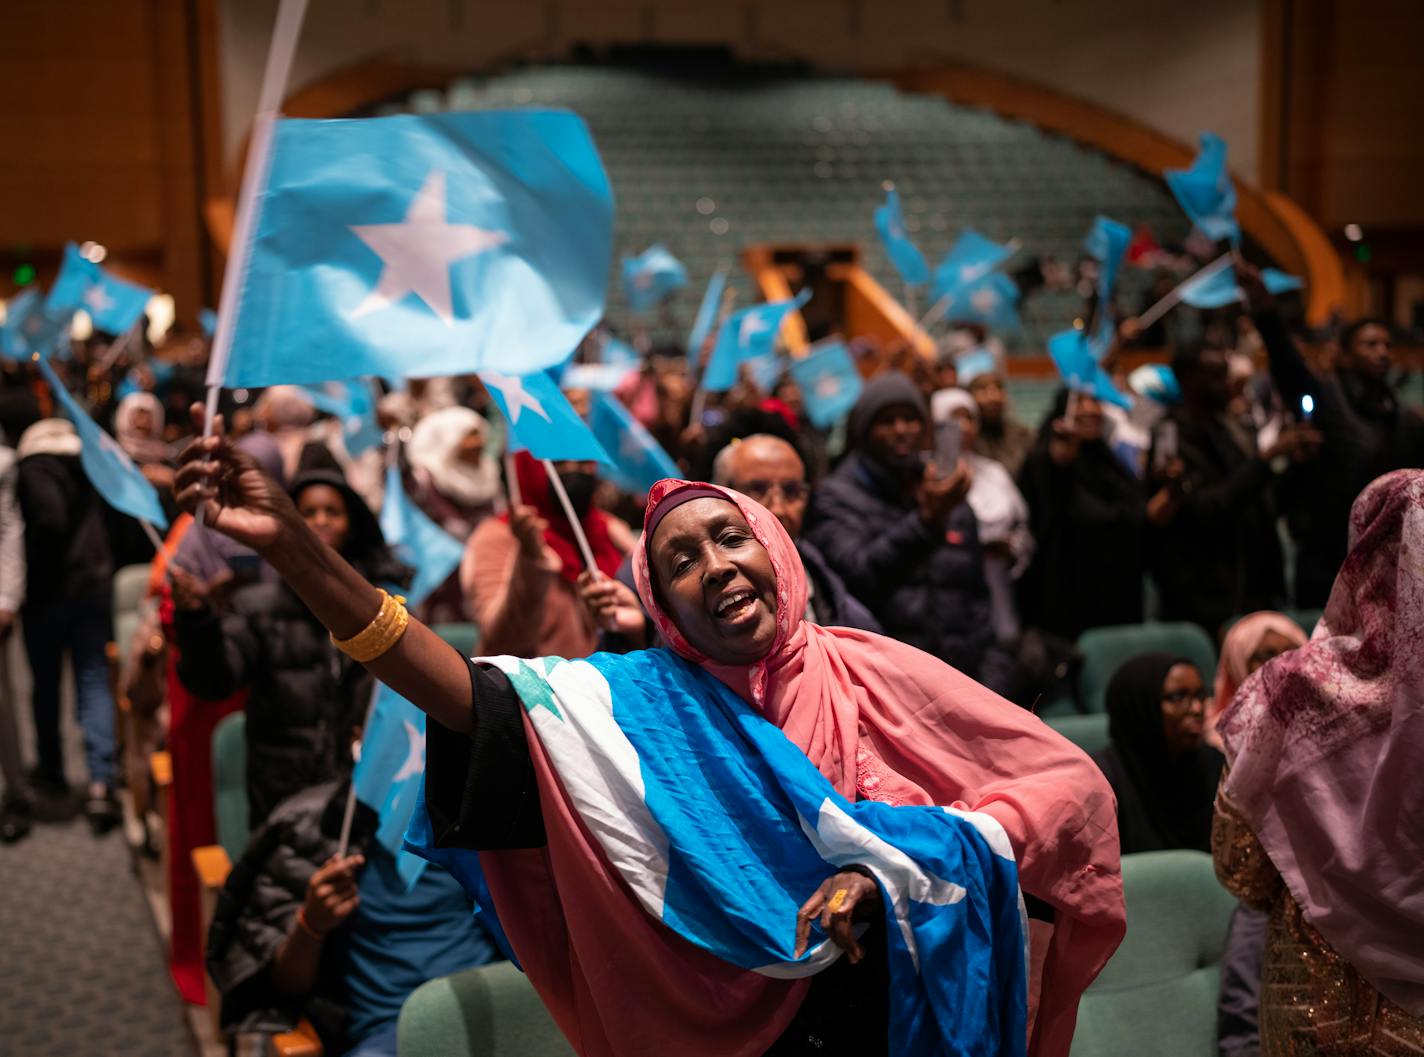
x=1326 y=745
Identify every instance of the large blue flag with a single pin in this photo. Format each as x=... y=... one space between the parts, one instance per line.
x=353 y=404
x=639 y=461
x=30 y=330
x=1213 y=290
x=651 y=276
x=419 y=542
x=747 y=335
x=113 y=304
x=706 y=314
x=109 y=468
x=829 y=382
x=1077 y=363
x=969 y=261
x=901 y=249
x=1205 y=191
x=541 y=420
x=390 y=773
x=417 y=246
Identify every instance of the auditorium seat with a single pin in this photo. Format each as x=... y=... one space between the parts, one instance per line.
x=1089 y=733
x=489 y=1011
x=1105 y=649
x=464 y=637
x=230 y=783
x=1158 y=993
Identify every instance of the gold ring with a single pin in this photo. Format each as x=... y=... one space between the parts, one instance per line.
x=837 y=900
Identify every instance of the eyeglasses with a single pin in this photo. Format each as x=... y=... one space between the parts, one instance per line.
x=791 y=491
x=1182 y=700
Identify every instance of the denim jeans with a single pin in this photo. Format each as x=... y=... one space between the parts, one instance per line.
x=82 y=627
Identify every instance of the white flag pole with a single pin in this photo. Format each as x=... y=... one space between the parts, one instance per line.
x=699 y=395
x=1169 y=301
x=582 y=540
x=120 y=346
x=940 y=307
x=511 y=478
x=350 y=814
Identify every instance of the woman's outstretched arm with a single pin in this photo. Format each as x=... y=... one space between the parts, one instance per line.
x=242 y=502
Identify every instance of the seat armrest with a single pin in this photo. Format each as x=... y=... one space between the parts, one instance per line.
x=303 y=1042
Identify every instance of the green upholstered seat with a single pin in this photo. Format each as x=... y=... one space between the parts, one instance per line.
x=1158 y=993
x=464 y=637
x=230 y=783
x=490 y=1011
x=1089 y=733
x=130 y=583
x=1105 y=649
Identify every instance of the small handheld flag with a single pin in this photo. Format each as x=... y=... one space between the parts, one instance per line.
x=390 y=772
x=1082 y=373
x=639 y=460
x=973 y=363
x=706 y=314
x=1205 y=191
x=971 y=259
x=829 y=381
x=113 y=304
x=541 y=420
x=899 y=247
x=419 y=542
x=1278 y=282
x=1212 y=289
x=747 y=335
x=1107 y=243
x=350 y=403
x=651 y=276
x=30 y=330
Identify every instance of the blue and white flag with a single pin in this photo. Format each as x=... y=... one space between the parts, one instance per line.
x=29 y=330
x=1157 y=382
x=749 y=334
x=705 y=789
x=1279 y=282
x=1212 y=290
x=992 y=300
x=110 y=470
x=973 y=363
x=829 y=382
x=619 y=352
x=417 y=540
x=390 y=774
x=639 y=461
x=418 y=246
x=706 y=314
x=899 y=247
x=1077 y=363
x=353 y=404
x=1107 y=243
x=1205 y=191
x=602 y=377
x=651 y=276
x=969 y=261
x=113 y=304
x=541 y=420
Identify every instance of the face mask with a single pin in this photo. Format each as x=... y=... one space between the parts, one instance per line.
x=580 y=487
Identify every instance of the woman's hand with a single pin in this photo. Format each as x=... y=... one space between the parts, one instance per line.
x=241 y=501
x=528 y=529
x=844 y=898
x=612 y=605
x=332 y=894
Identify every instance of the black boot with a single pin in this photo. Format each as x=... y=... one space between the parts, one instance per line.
x=102 y=810
x=15 y=818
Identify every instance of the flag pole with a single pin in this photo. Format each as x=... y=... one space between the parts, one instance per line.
x=582 y=540
x=350 y=814
x=699 y=395
x=511 y=478
x=120 y=346
x=1169 y=301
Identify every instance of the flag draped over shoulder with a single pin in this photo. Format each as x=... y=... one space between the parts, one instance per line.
x=720 y=827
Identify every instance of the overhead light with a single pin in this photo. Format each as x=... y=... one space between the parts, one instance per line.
x=81 y=327
x=1354 y=232
x=93 y=251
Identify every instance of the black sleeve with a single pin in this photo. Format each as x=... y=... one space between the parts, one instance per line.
x=216 y=654
x=480 y=787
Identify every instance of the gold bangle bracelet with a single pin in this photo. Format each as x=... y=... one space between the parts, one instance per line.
x=384 y=631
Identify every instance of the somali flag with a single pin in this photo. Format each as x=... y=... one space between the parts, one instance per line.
x=992 y=300
x=969 y=261
x=417 y=246
x=1279 y=282
x=1205 y=191
x=541 y=419
x=113 y=304
x=417 y=540
x=639 y=461
x=747 y=335
x=1107 y=243
x=829 y=381
x=899 y=247
x=109 y=468
x=651 y=276
x=1077 y=362
x=352 y=404
x=704 y=789
x=30 y=330
x=1212 y=290
x=208 y=320
x=391 y=772
x=706 y=313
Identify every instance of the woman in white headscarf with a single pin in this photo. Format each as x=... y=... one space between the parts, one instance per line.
x=454 y=475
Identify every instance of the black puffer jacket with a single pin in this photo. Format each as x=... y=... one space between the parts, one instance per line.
x=306 y=696
x=67 y=547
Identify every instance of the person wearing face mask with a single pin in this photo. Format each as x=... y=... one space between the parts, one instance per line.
x=521 y=570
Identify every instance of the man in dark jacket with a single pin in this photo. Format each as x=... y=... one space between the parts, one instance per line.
x=901 y=536
x=68 y=608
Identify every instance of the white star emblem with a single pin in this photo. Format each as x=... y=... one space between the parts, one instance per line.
x=753 y=323
x=985 y=300
x=516 y=398
x=828 y=387
x=415 y=758
x=418 y=251
x=97 y=299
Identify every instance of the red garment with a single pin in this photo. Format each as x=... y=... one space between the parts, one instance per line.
x=535 y=491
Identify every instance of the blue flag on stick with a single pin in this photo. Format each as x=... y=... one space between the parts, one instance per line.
x=1074 y=357
x=30 y=330
x=639 y=461
x=651 y=276
x=992 y=300
x=1205 y=191
x=706 y=314
x=1279 y=282
x=1213 y=290
x=417 y=246
x=208 y=320
x=1107 y=243
x=901 y=249
x=109 y=468
x=541 y=420
x=353 y=405
x=419 y=542
x=113 y=304
x=389 y=775
x=747 y=335
x=829 y=381
x=969 y=261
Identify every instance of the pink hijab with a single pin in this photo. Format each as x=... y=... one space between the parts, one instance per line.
x=1241 y=641
x=880 y=719
x=1326 y=745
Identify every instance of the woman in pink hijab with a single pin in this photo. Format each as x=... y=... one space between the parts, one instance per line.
x=879 y=720
x=1252 y=641
x=1319 y=817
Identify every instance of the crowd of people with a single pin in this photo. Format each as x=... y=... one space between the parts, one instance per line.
x=985 y=569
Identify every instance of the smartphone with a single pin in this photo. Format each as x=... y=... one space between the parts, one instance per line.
x=1307 y=408
x=949 y=438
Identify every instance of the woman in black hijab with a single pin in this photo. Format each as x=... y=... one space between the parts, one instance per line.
x=1163 y=773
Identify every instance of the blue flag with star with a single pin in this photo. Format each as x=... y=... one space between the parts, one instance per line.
x=108 y=467
x=706 y=313
x=749 y=334
x=651 y=276
x=971 y=259
x=417 y=540
x=353 y=404
x=1205 y=191
x=618 y=352
x=113 y=304
x=899 y=247
x=1279 y=282
x=992 y=300
x=541 y=419
x=1107 y=243
x=1077 y=363
x=639 y=461
x=30 y=330
x=1212 y=290
x=391 y=772
x=418 y=246
x=829 y=382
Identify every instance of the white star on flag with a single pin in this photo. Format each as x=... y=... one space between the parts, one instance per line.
x=828 y=387
x=417 y=252
x=985 y=300
x=511 y=387
x=97 y=299
x=415 y=760
x=753 y=323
